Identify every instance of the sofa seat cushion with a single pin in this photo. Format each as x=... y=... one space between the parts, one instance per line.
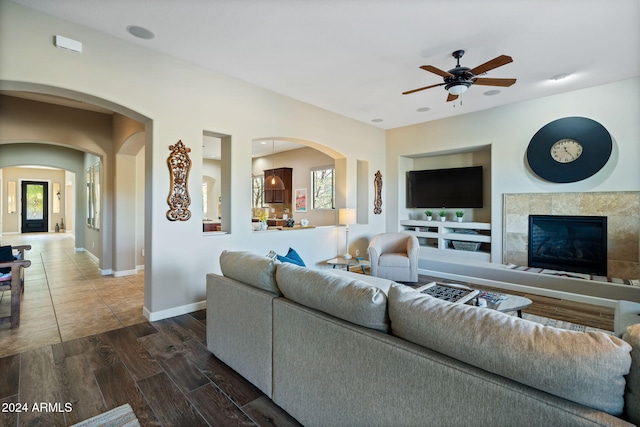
x=584 y=367
x=346 y=298
x=255 y=270
x=632 y=397
x=394 y=260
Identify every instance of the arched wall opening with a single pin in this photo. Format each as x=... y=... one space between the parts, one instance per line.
x=101 y=135
x=314 y=155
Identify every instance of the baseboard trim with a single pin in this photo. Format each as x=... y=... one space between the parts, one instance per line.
x=125 y=273
x=174 y=311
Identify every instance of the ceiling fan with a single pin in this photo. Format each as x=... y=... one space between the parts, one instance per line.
x=457 y=80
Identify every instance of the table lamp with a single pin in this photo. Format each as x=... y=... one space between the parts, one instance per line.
x=347 y=216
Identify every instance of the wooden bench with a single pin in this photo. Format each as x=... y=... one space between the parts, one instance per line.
x=15 y=284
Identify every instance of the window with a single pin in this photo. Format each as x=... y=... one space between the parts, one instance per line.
x=257 y=191
x=323 y=188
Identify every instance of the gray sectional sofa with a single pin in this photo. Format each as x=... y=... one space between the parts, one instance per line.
x=341 y=349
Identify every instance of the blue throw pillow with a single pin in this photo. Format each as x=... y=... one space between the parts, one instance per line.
x=292 y=257
x=6 y=255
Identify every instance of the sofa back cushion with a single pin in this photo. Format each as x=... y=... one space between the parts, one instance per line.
x=256 y=270
x=632 y=396
x=343 y=297
x=584 y=367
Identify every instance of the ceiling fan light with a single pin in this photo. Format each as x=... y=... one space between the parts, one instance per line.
x=457 y=89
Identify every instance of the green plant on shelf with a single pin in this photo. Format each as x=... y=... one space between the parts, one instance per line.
x=459 y=214
x=442 y=213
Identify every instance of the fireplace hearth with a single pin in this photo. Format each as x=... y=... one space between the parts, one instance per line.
x=568 y=243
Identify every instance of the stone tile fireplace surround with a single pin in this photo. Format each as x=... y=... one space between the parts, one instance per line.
x=622 y=210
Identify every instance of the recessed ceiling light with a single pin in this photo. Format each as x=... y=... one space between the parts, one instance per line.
x=423 y=109
x=140 y=32
x=560 y=76
x=492 y=92
x=376 y=120
x=264 y=143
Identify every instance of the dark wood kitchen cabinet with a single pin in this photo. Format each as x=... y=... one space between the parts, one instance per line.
x=279 y=196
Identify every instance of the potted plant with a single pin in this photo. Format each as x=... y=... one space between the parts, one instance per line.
x=429 y=214
x=443 y=215
x=459 y=215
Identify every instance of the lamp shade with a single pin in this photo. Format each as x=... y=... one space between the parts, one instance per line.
x=347 y=216
x=273 y=182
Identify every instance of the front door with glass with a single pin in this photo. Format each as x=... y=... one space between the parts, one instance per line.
x=35 y=207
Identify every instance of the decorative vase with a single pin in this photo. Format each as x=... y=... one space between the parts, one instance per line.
x=429 y=218
x=263 y=225
x=459 y=219
x=443 y=218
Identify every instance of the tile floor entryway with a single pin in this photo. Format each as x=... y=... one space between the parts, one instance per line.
x=65 y=295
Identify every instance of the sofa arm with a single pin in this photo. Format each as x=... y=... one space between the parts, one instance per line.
x=374 y=255
x=413 y=246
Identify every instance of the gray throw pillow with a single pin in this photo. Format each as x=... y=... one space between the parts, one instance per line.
x=584 y=367
x=258 y=271
x=343 y=297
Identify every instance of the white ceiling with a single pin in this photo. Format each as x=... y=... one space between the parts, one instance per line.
x=356 y=57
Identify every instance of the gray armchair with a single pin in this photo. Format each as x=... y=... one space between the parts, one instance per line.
x=394 y=256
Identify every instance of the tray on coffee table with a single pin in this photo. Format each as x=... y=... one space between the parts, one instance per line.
x=448 y=292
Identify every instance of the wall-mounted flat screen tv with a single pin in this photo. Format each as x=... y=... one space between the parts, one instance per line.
x=448 y=188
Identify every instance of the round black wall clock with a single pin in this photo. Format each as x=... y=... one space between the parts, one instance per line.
x=569 y=149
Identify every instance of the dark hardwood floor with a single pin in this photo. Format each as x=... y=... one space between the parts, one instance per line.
x=162 y=369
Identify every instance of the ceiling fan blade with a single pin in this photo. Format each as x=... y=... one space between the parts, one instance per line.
x=490 y=65
x=422 y=88
x=438 y=71
x=451 y=97
x=494 y=82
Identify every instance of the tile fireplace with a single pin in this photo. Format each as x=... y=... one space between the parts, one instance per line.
x=568 y=243
x=622 y=210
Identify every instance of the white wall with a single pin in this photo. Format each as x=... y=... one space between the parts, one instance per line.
x=139 y=209
x=508 y=131
x=178 y=101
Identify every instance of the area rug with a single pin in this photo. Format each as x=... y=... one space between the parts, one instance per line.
x=562 y=325
x=122 y=416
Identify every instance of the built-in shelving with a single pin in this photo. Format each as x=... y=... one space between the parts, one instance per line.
x=437 y=237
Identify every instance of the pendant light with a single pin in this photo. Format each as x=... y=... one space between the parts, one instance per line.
x=273 y=182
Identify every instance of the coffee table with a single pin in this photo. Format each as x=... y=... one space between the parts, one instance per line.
x=351 y=262
x=494 y=300
x=511 y=303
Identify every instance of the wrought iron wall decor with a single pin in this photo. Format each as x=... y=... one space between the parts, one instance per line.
x=179 y=166
x=377 y=185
